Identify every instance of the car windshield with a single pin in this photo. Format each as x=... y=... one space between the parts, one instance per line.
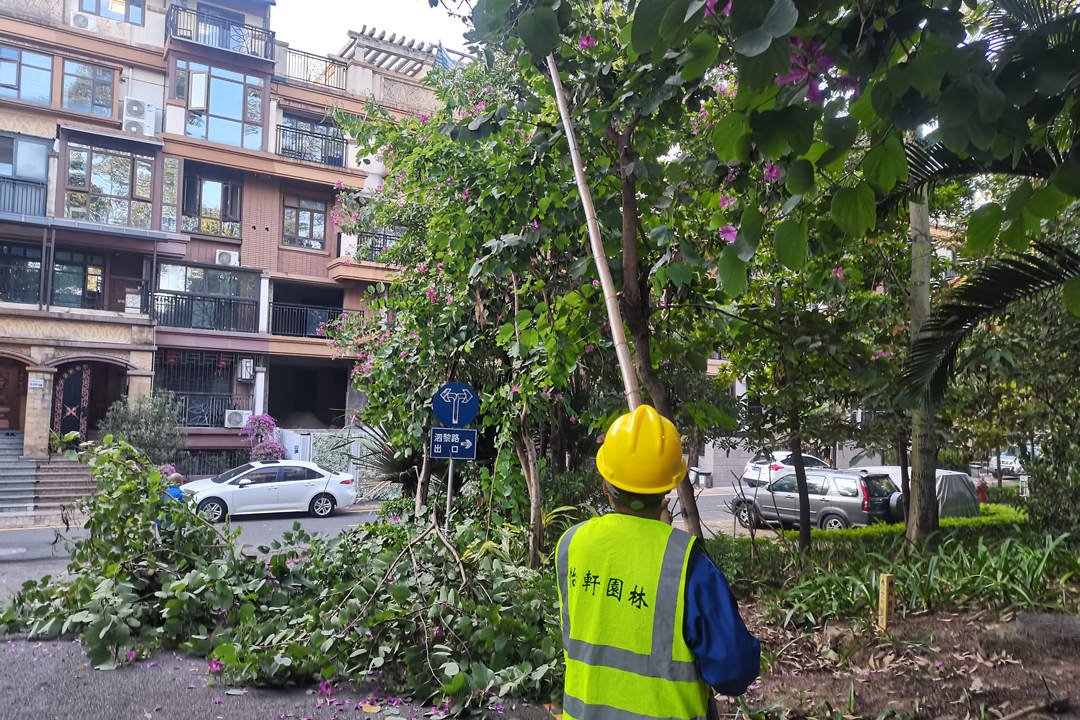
x=879 y=485
x=230 y=474
x=809 y=461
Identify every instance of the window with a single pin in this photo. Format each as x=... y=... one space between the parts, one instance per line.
x=816 y=484
x=170 y=194
x=299 y=473
x=846 y=486
x=305 y=223
x=260 y=477
x=24 y=158
x=211 y=205
x=25 y=75
x=20 y=273
x=123 y=10
x=788 y=483
x=224 y=106
x=107 y=186
x=88 y=88
x=206 y=281
x=78 y=279
x=880 y=486
x=312 y=140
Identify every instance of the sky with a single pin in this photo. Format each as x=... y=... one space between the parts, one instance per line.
x=320 y=26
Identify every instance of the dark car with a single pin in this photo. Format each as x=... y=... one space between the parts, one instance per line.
x=838 y=499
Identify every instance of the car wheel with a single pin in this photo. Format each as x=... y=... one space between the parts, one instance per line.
x=833 y=522
x=747 y=515
x=321 y=506
x=212 y=510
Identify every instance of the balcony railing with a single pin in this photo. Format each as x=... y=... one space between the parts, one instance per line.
x=19 y=284
x=101 y=292
x=314 y=69
x=208 y=313
x=22 y=197
x=215 y=31
x=304 y=145
x=370 y=245
x=208 y=409
x=303 y=320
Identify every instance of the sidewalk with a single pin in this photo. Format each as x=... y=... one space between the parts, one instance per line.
x=38 y=520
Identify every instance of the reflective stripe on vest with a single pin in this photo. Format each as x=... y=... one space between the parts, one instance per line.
x=659 y=663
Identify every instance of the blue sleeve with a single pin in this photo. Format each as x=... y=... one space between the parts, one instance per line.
x=728 y=656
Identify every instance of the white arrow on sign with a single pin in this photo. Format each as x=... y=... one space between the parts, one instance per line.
x=455 y=399
x=466 y=444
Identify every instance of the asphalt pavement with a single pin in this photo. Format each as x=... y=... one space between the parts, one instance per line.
x=31 y=551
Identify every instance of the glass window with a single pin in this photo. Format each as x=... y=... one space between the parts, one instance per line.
x=170 y=194
x=206 y=281
x=261 y=477
x=788 y=483
x=120 y=10
x=809 y=461
x=25 y=158
x=88 y=88
x=25 y=75
x=172 y=277
x=120 y=184
x=879 y=485
x=20 y=273
x=223 y=106
x=299 y=473
x=211 y=206
x=304 y=223
x=815 y=484
x=846 y=486
x=78 y=280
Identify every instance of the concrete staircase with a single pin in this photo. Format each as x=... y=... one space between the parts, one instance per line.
x=17 y=476
x=60 y=482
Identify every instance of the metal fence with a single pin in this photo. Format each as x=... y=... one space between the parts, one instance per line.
x=208 y=409
x=215 y=31
x=19 y=283
x=303 y=145
x=370 y=245
x=209 y=313
x=193 y=463
x=314 y=69
x=22 y=197
x=303 y=320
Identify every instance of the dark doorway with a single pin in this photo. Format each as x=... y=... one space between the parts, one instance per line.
x=82 y=394
x=307 y=393
x=12 y=394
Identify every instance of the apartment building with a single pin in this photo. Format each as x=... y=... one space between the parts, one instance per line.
x=168 y=178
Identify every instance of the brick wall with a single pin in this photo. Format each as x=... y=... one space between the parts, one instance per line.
x=203 y=251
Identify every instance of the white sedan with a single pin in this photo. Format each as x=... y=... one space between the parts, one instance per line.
x=277 y=486
x=765 y=468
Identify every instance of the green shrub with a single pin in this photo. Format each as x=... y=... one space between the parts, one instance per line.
x=1055 y=483
x=151 y=423
x=395 y=508
x=1005 y=495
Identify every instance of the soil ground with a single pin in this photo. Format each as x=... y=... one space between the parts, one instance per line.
x=943 y=666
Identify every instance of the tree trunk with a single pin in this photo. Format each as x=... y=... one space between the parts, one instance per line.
x=530 y=467
x=1000 y=472
x=423 y=483
x=905 y=475
x=800 y=477
x=923 y=512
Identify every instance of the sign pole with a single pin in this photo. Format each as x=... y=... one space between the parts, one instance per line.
x=449 y=492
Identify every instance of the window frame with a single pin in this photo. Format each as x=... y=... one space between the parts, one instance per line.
x=87 y=188
x=16 y=141
x=20 y=64
x=205 y=291
x=232 y=202
x=298 y=208
x=94 y=84
x=197 y=98
x=84 y=6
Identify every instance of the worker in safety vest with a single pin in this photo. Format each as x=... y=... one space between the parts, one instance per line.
x=648 y=621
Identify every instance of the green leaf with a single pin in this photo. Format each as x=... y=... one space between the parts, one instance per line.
x=523 y=318
x=1071 y=296
x=1047 y=202
x=841 y=132
x=886 y=164
x=1015 y=237
x=800 y=177
x=679 y=274
x=672 y=22
x=699 y=57
x=646 y=26
x=226 y=653
x=731 y=130
x=539 y=29
x=983 y=227
x=790 y=244
x=853 y=210
x=750 y=225
x=451 y=669
x=781 y=17
x=1014 y=206
x=661 y=235
x=732 y=272
x=753 y=43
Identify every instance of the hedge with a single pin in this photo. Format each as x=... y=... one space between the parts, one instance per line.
x=1005 y=495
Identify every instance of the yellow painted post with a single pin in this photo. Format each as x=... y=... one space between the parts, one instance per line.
x=886 y=600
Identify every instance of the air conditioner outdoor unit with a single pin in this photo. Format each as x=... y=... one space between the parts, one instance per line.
x=245 y=370
x=236 y=418
x=138 y=116
x=227 y=257
x=83 y=21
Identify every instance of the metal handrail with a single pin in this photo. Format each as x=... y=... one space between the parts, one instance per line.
x=371 y=245
x=215 y=31
x=22 y=197
x=209 y=313
x=312 y=68
x=303 y=145
x=204 y=409
x=298 y=320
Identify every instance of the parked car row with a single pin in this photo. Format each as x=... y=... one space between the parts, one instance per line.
x=276 y=486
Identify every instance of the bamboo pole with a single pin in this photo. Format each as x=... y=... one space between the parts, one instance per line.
x=596 y=243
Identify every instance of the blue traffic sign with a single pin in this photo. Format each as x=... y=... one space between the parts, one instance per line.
x=456 y=404
x=453 y=443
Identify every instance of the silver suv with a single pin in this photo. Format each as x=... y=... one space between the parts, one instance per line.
x=838 y=499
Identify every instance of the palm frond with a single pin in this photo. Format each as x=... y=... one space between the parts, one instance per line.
x=1012 y=22
x=931 y=361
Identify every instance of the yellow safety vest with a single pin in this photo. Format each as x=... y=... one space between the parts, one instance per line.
x=622 y=582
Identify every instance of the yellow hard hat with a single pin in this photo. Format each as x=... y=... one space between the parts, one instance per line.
x=642 y=453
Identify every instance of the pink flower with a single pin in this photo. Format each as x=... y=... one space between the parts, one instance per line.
x=480 y=106
x=588 y=348
x=879 y=354
x=573 y=419
x=772 y=172
x=423 y=118
x=465 y=195
x=130 y=655
x=515 y=388
x=536 y=225
x=710 y=8
x=215 y=666
x=217 y=701
x=440 y=265
x=725 y=201
x=595 y=283
x=807 y=64
x=729 y=233
x=339 y=184
x=838 y=273
x=586 y=41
